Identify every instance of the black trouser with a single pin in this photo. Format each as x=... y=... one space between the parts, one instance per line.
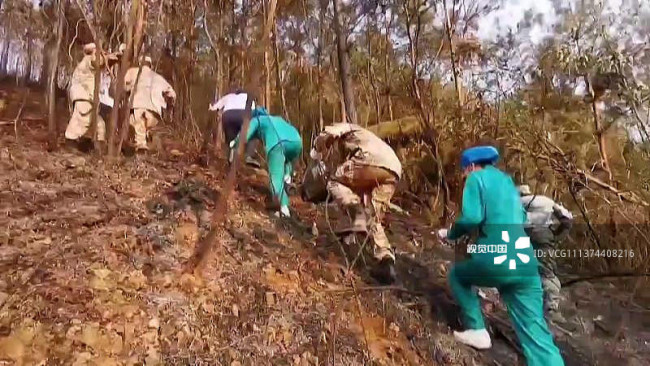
x=232 y=121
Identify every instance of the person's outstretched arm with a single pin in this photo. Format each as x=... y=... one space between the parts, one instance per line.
x=472 y=213
x=219 y=104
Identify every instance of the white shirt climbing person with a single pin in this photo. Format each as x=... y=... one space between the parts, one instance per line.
x=232 y=101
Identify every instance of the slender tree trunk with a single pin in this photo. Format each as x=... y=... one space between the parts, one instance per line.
x=43 y=78
x=599 y=132
x=114 y=145
x=278 y=71
x=139 y=10
x=52 y=76
x=27 y=76
x=267 y=68
x=319 y=60
x=218 y=139
x=344 y=65
x=98 y=78
x=387 y=78
x=213 y=127
x=370 y=69
x=344 y=113
x=138 y=34
x=413 y=38
x=244 y=42
x=452 y=54
x=4 y=53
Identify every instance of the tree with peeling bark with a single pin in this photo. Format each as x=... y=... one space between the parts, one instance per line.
x=343 y=56
x=53 y=73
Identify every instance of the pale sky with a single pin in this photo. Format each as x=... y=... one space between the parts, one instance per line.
x=511 y=13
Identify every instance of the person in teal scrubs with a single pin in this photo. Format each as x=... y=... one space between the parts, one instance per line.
x=492 y=209
x=283 y=146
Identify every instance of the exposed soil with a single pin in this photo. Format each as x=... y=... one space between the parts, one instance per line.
x=90 y=274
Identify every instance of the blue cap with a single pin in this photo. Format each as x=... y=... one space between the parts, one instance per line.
x=259 y=111
x=479 y=154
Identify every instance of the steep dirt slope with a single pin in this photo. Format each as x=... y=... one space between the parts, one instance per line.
x=90 y=274
x=90 y=257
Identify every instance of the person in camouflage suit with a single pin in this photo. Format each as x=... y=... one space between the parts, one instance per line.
x=82 y=86
x=361 y=173
x=153 y=94
x=545 y=235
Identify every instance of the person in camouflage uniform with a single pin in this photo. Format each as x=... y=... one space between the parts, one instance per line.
x=545 y=235
x=361 y=173
x=82 y=86
x=153 y=94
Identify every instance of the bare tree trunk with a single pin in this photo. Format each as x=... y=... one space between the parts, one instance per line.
x=452 y=52
x=599 y=131
x=27 y=76
x=267 y=69
x=344 y=65
x=211 y=133
x=278 y=71
x=4 y=53
x=319 y=56
x=413 y=38
x=138 y=34
x=244 y=42
x=344 y=114
x=389 y=100
x=218 y=138
x=370 y=71
x=139 y=10
x=98 y=78
x=52 y=76
x=114 y=145
x=48 y=47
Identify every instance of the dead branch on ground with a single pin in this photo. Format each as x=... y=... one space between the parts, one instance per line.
x=205 y=247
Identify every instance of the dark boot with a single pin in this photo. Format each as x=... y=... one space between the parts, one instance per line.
x=71 y=145
x=85 y=145
x=385 y=272
x=128 y=150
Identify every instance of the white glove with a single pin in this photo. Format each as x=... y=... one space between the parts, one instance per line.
x=315 y=155
x=232 y=144
x=442 y=234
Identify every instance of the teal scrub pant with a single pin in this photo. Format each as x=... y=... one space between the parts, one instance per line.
x=523 y=297
x=280 y=160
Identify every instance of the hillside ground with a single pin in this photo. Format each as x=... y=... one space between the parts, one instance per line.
x=91 y=254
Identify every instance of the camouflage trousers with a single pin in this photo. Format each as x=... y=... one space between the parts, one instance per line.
x=365 y=191
x=143 y=121
x=543 y=240
x=80 y=122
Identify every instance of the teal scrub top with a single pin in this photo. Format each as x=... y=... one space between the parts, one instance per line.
x=272 y=130
x=491 y=205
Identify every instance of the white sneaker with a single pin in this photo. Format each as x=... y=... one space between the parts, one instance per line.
x=476 y=338
x=284 y=210
x=287 y=179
